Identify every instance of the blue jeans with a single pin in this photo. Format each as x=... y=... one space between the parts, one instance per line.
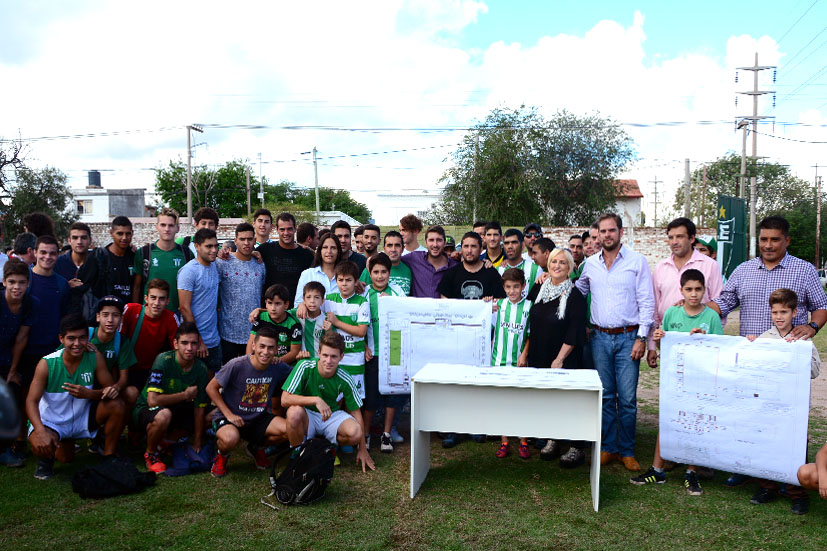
x=619 y=374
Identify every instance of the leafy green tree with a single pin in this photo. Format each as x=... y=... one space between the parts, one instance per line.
x=517 y=167
x=41 y=190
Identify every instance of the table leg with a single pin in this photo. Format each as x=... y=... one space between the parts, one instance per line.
x=420 y=458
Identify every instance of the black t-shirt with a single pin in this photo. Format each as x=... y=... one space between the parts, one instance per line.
x=360 y=260
x=284 y=265
x=549 y=334
x=107 y=274
x=460 y=283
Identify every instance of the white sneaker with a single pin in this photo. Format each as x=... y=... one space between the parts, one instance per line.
x=386 y=443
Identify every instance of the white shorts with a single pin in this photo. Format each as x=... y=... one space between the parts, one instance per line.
x=76 y=429
x=327 y=428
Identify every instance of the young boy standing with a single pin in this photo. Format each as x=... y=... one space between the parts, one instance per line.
x=380 y=266
x=511 y=332
x=349 y=314
x=783 y=307
x=313 y=295
x=692 y=317
x=283 y=323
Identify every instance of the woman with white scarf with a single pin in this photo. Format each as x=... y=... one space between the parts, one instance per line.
x=558 y=334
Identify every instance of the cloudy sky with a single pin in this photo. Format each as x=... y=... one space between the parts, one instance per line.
x=381 y=88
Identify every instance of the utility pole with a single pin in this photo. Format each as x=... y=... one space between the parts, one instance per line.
x=260 y=182
x=703 y=199
x=655 y=193
x=316 y=176
x=755 y=92
x=818 y=220
x=743 y=179
x=247 y=174
x=687 y=182
x=190 y=128
x=476 y=162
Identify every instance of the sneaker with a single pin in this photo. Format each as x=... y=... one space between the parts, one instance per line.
x=94 y=447
x=690 y=482
x=763 y=496
x=479 y=438
x=396 y=438
x=523 y=451
x=11 y=458
x=503 y=450
x=367 y=442
x=386 y=443
x=154 y=463
x=550 y=451
x=259 y=455
x=219 y=465
x=736 y=480
x=801 y=505
x=573 y=458
x=649 y=477
x=45 y=469
x=450 y=440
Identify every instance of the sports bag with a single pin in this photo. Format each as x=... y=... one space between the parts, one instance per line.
x=307 y=474
x=112 y=477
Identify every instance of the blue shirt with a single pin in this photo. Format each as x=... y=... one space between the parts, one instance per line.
x=65 y=266
x=53 y=293
x=10 y=324
x=202 y=282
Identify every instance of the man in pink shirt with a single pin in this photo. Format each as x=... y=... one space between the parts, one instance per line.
x=667 y=274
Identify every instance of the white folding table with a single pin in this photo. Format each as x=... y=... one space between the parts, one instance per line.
x=543 y=403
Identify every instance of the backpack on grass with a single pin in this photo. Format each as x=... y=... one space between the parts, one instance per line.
x=113 y=476
x=306 y=476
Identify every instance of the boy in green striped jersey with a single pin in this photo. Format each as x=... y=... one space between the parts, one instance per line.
x=277 y=317
x=313 y=295
x=380 y=272
x=511 y=333
x=513 y=247
x=349 y=314
x=64 y=405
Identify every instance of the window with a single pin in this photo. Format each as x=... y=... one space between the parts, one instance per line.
x=84 y=206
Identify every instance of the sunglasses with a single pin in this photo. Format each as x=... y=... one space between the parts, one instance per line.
x=534 y=234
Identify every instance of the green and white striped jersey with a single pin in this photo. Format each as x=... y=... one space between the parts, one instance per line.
x=353 y=310
x=392 y=290
x=510 y=331
x=311 y=332
x=529 y=268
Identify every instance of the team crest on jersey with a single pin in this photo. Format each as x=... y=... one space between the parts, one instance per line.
x=86 y=377
x=155 y=262
x=110 y=354
x=132 y=270
x=282 y=337
x=176 y=261
x=354 y=316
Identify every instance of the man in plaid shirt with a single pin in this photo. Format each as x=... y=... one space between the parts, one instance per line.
x=751 y=283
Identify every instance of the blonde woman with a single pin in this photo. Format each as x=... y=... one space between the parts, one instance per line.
x=558 y=333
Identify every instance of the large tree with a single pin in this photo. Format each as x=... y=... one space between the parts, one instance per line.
x=517 y=167
x=12 y=158
x=41 y=190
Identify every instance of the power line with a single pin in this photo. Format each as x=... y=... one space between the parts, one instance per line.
x=796 y=22
x=788 y=139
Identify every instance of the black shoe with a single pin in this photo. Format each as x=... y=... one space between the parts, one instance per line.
x=690 y=482
x=735 y=480
x=45 y=469
x=539 y=443
x=572 y=458
x=801 y=505
x=450 y=440
x=763 y=496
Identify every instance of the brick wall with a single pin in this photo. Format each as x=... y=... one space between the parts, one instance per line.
x=144 y=230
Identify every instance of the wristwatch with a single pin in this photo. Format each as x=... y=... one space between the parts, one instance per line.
x=642 y=338
x=814 y=325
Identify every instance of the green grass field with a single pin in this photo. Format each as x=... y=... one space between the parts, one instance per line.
x=470 y=500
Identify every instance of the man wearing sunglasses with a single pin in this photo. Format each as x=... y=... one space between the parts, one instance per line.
x=531 y=233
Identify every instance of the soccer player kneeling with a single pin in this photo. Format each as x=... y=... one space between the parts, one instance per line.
x=310 y=396
x=244 y=408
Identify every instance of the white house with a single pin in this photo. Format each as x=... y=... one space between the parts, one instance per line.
x=629 y=202
x=95 y=204
x=388 y=208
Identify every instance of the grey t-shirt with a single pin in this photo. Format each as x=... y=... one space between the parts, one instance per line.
x=239 y=288
x=202 y=282
x=247 y=391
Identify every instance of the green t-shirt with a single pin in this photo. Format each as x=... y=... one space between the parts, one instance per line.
x=167 y=377
x=401 y=276
x=288 y=331
x=305 y=380
x=676 y=319
x=163 y=265
x=125 y=357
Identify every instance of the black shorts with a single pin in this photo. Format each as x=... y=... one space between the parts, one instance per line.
x=138 y=377
x=254 y=432
x=231 y=350
x=373 y=398
x=183 y=417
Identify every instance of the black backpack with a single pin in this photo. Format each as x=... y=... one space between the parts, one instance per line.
x=146 y=254
x=113 y=476
x=306 y=476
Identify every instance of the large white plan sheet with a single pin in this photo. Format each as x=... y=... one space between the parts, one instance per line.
x=735 y=405
x=416 y=331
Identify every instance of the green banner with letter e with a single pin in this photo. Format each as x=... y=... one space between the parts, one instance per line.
x=732 y=233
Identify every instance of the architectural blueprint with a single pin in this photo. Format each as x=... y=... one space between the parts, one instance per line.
x=416 y=331
x=735 y=405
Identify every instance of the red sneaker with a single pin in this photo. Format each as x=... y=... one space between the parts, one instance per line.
x=524 y=451
x=219 y=465
x=154 y=463
x=502 y=452
x=260 y=457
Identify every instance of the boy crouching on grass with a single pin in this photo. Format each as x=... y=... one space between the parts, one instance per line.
x=692 y=317
x=783 y=306
x=511 y=333
x=310 y=396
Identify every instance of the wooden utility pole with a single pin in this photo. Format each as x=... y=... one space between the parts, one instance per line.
x=655 y=193
x=247 y=174
x=703 y=199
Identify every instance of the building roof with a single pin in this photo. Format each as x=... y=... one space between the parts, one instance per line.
x=627 y=189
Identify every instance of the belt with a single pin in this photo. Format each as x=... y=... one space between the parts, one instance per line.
x=616 y=330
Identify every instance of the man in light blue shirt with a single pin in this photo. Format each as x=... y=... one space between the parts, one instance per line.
x=622 y=311
x=198 y=296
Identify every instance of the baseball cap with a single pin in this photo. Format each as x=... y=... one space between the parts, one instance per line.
x=110 y=300
x=450 y=242
x=707 y=241
x=532 y=226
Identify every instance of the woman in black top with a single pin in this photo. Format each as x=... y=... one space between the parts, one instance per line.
x=558 y=334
